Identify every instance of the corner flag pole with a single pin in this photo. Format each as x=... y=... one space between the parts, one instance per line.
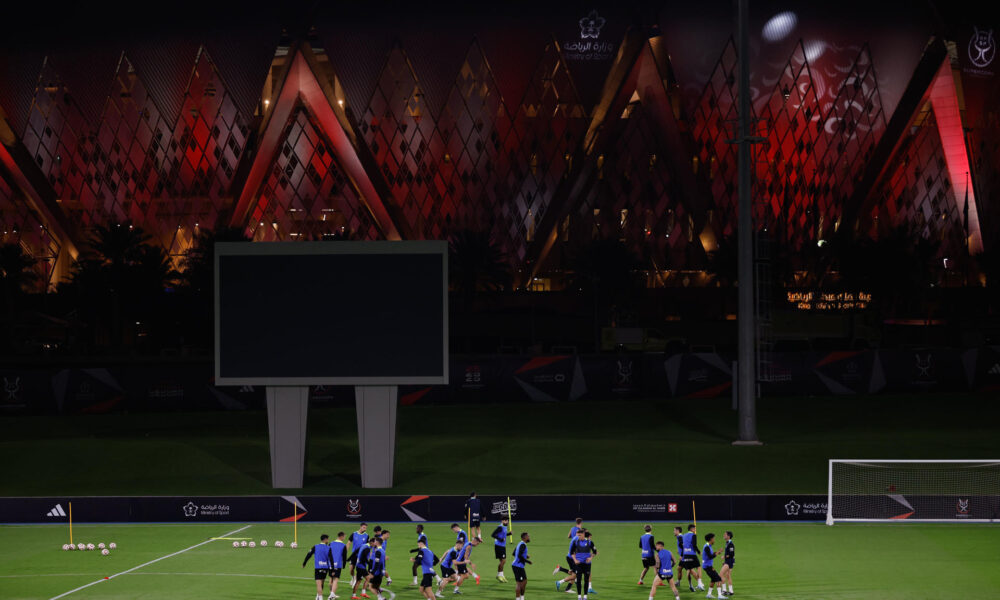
x=694 y=515
x=71 y=523
x=468 y=522
x=295 y=521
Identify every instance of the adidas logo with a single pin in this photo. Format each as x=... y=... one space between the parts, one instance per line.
x=995 y=369
x=57 y=511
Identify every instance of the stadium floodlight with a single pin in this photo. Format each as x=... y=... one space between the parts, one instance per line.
x=913 y=490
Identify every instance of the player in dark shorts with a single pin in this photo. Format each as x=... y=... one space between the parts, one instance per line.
x=708 y=555
x=338 y=552
x=729 y=562
x=361 y=570
x=679 y=536
x=582 y=552
x=663 y=563
x=689 y=556
x=322 y=562
x=499 y=536
x=570 y=575
x=376 y=570
x=359 y=540
x=464 y=567
x=472 y=512
x=426 y=559
x=520 y=560
x=421 y=537
x=448 y=574
x=647 y=551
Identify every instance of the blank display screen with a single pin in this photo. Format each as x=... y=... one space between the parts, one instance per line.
x=343 y=317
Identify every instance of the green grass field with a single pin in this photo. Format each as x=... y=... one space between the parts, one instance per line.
x=226 y=453
x=899 y=561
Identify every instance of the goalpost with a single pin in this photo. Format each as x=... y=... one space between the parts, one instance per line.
x=880 y=490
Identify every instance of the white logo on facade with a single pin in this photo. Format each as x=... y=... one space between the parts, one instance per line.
x=590 y=26
x=792 y=508
x=624 y=372
x=923 y=366
x=190 y=509
x=982 y=48
x=962 y=507
x=501 y=507
x=11 y=388
x=57 y=511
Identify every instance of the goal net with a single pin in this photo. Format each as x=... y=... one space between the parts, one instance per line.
x=913 y=490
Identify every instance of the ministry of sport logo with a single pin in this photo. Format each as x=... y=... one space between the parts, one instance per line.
x=792 y=508
x=982 y=48
x=190 y=509
x=590 y=26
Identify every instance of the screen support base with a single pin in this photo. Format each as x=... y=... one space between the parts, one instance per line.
x=376 y=407
x=287 y=411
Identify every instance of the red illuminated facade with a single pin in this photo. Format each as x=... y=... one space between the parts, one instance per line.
x=574 y=134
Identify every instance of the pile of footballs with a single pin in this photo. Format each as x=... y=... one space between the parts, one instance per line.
x=105 y=549
x=262 y=544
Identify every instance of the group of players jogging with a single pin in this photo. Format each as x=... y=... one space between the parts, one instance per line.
x=366 y=557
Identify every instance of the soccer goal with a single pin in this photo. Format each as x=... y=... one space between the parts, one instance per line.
x=913 y=490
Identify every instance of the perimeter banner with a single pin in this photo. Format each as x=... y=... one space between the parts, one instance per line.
x=676 y=509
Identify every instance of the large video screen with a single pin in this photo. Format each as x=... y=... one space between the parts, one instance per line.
x=331 y=313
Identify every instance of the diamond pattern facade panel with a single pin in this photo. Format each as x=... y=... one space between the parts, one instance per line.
x=22 y=225
x=480 y=160
x=306 y=194
x=915 y=193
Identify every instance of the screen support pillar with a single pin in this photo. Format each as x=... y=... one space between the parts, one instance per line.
x=376 y=407
x=287 y=409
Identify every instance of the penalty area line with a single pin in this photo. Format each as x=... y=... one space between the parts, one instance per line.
x=146 y=564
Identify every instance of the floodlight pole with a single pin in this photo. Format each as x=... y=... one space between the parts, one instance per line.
x=746 y=375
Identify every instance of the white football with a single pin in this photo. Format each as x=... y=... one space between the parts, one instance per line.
x=279 y=544
x=65 y=546
x=81 y=546
x=252 y=545
x=263 y=542
x=101 y=545
x=105 y=552
x=236 y=544
x=244 y=544
x=90 y=546
x=112 y=545
x=293 y=545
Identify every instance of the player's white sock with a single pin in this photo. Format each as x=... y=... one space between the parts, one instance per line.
x=700 y=584
x=730 y=588
x=414 y=580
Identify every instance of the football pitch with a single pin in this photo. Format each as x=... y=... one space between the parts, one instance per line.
x=774 y=561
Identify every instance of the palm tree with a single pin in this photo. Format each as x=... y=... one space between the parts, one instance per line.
x=120 y=278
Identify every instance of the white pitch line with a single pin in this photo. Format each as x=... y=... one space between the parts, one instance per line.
x=45 y=575
x=146 y=564
x=228 y=575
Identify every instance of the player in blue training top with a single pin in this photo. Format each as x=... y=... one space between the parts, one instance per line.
x=376 y=568
x=421 y=537
x=460 y=535
x=426 y=559
x=361 y=570
x=520 y=560
x=647 y=551
x=679 y=536
x=499 y=536
x=338 y=553
x=689 y=555
x=582 y=552
x=322 y=561
x=708 y=555
x=448 y=574
x=464 y=567
x=472 y=513
x=385 y=553
x=664 y=564
x=729 y=562
x=570 y=576
x=359 y=540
